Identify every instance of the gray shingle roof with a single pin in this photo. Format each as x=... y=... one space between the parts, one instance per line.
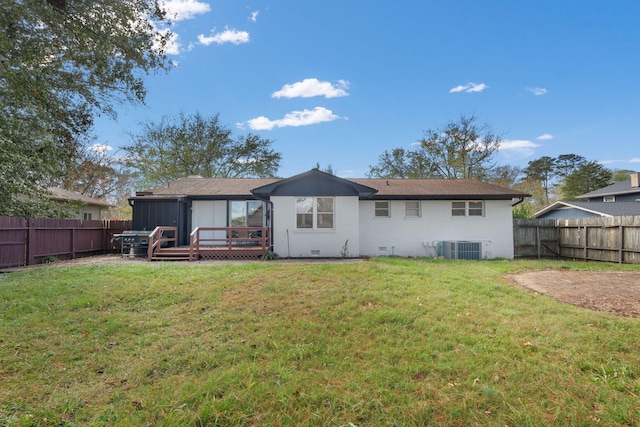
x=387 y=188
x=623 y=187
x=67 y=195
x=211 y=187
x=437 y=188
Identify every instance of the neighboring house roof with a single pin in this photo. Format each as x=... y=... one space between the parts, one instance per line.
x=623 y=187
x=428 y=189
x=606 y=209
x=63 y=195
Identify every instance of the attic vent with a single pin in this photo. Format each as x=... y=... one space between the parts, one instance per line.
x=460 y=250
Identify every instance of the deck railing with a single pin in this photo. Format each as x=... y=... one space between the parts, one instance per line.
x=231 y=238
x=161 y=237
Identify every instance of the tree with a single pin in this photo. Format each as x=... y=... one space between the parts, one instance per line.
x=523 y=211
x=401 y=163
x=538 y=199
x=61 y=63
x=588 y=177
x=542 y=170
x=197 y=145
x=504 y=175
x=461 y=149
x=566 y=164
x=620 y=175
x=96 y=174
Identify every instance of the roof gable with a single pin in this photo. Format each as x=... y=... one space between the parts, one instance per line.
x=314 y=183
x=599 y=208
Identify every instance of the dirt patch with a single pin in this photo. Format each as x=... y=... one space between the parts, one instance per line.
x=613 y=292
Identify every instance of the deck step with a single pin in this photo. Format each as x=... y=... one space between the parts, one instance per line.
x=219 y=253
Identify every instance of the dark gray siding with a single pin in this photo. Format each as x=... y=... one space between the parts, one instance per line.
x=632 y=197
x=148 y=214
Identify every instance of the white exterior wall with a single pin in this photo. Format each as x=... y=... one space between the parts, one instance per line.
x=288 y=241
x=209 y=213
x=95 y=212
x=418 y=237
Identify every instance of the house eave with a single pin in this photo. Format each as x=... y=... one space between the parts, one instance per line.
x=565 y=205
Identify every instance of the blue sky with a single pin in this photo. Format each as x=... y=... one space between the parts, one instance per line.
x=339 y=82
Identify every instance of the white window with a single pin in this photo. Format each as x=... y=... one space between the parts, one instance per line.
x=314 y=212
x=476 y=208
x=412 y=209
x=467 y=208
x=609 y=199
x=87 y=215
x=382 y=209
x=458 y=208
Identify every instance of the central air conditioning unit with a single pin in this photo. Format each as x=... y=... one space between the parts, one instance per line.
x=460 y=250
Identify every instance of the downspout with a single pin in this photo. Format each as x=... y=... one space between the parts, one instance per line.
x=518 y=202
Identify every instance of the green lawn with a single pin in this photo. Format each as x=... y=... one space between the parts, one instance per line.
x=383 y=342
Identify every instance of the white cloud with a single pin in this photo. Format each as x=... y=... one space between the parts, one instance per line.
x=294 y=118
x=537 y=91
x=545 y=137
x=635 y=160
x=227 y=36
x=180 y=10
x=254 y=16
x=520 y=146
x=100 y=148
x=309 y=88
x=469 y=88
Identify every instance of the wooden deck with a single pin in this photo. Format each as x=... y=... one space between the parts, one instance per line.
x=239 y=244
x=184 y=253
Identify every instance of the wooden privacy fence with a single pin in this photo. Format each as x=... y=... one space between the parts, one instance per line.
x=613 y=239
x=32 y=241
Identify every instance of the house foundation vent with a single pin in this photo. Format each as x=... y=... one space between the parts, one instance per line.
x=460 y=250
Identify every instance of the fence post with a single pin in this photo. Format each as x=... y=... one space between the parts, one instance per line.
x=585 y=245
x=621 y=237
x=73 y=241
x=30 y=244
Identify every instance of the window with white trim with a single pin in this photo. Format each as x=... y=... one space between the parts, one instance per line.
x=381 y=209
x=469 y=208
x=315 y=212
x=609 y=199
x=412 y=209
x=458 y=208
x=476 y=208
